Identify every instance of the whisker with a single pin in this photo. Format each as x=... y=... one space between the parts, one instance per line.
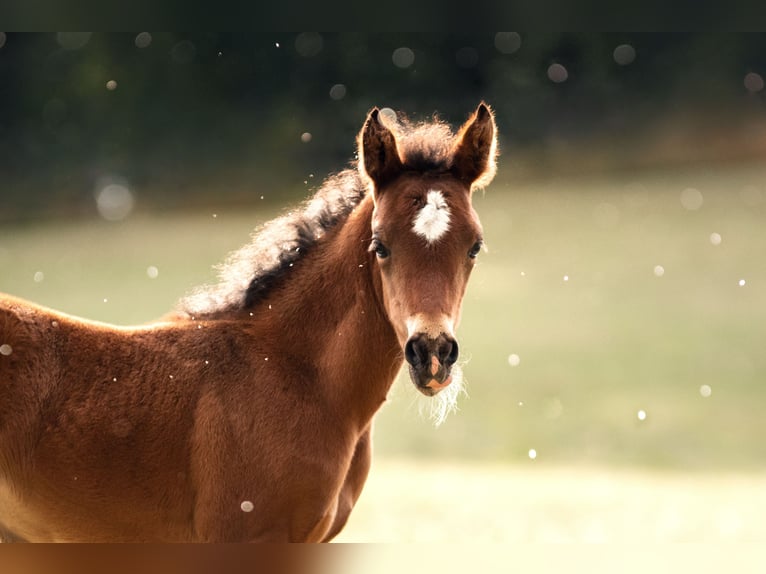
x=442 y=405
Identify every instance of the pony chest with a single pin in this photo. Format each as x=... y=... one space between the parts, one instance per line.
x=19 y=520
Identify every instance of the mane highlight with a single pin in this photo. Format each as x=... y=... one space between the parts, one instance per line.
x=250 y=273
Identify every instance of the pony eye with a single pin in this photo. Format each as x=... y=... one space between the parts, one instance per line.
x=474 y=251
x=380 y=250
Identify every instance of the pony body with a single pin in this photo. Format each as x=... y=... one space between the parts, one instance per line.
x=244 y=416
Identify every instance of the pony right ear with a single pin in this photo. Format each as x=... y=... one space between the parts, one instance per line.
x=378 y=155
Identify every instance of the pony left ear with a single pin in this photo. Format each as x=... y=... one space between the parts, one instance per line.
x=378 y=155
x=473 y=157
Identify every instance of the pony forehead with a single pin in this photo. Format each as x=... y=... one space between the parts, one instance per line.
x=432 y=221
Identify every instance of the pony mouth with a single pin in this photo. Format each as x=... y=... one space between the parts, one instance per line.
x=439 y=400
x=433 y=387
x=430 y=377
x=428 y=384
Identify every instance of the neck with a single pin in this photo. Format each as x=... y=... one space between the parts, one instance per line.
x=333 y=299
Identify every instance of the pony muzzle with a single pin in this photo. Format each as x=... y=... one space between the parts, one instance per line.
x=430 y=361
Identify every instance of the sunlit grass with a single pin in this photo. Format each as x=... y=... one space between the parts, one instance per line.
x=444 y=502
x=85 y=262
x=611 y=339
x=614 y=338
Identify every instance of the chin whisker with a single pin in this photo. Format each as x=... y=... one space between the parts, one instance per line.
x=440 y=406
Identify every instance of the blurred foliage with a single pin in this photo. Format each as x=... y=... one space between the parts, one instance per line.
x=187 y=117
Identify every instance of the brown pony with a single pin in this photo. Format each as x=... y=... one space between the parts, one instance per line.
x=246 y=414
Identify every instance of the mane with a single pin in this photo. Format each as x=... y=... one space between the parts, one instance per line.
x=249 y=273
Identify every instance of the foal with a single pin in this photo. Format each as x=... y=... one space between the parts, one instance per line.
x=246 y=415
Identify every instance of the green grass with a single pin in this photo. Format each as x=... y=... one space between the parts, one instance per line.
x=595 y=349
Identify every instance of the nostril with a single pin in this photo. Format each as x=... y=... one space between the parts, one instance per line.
x=449 y=352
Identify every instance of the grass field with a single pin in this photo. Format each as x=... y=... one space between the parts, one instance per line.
x=569 y=285
x=633 y=306
x=432 y=502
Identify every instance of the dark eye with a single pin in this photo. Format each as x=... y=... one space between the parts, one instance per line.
x=474 y=251
x=380 y=250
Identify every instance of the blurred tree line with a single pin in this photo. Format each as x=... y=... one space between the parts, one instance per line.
x=189 y=119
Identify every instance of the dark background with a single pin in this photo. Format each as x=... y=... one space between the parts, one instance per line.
x=202 y=117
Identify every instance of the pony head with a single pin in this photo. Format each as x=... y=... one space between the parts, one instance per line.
x=425 y=234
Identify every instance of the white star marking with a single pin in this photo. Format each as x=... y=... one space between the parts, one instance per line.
x=433 y=220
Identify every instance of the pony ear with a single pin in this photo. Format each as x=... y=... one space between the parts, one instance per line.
x=473 y=157
x=378 y=155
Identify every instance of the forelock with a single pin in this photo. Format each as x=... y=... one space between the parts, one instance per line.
x=424 y=146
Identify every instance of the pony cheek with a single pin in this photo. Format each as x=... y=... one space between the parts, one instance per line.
x=392 y=304
x=399 y=325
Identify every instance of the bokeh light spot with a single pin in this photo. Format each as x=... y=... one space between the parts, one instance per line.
x=143 y=40
x=624 y=54
x=388 y=115
x=753 y=82
x=403 y=57
x=557 y=73
x=507 y=42
x=691 y=199
x=338 y=92
x=114 y=200
x=309 y=44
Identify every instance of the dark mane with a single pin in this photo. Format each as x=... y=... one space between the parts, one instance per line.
x=251 y=272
